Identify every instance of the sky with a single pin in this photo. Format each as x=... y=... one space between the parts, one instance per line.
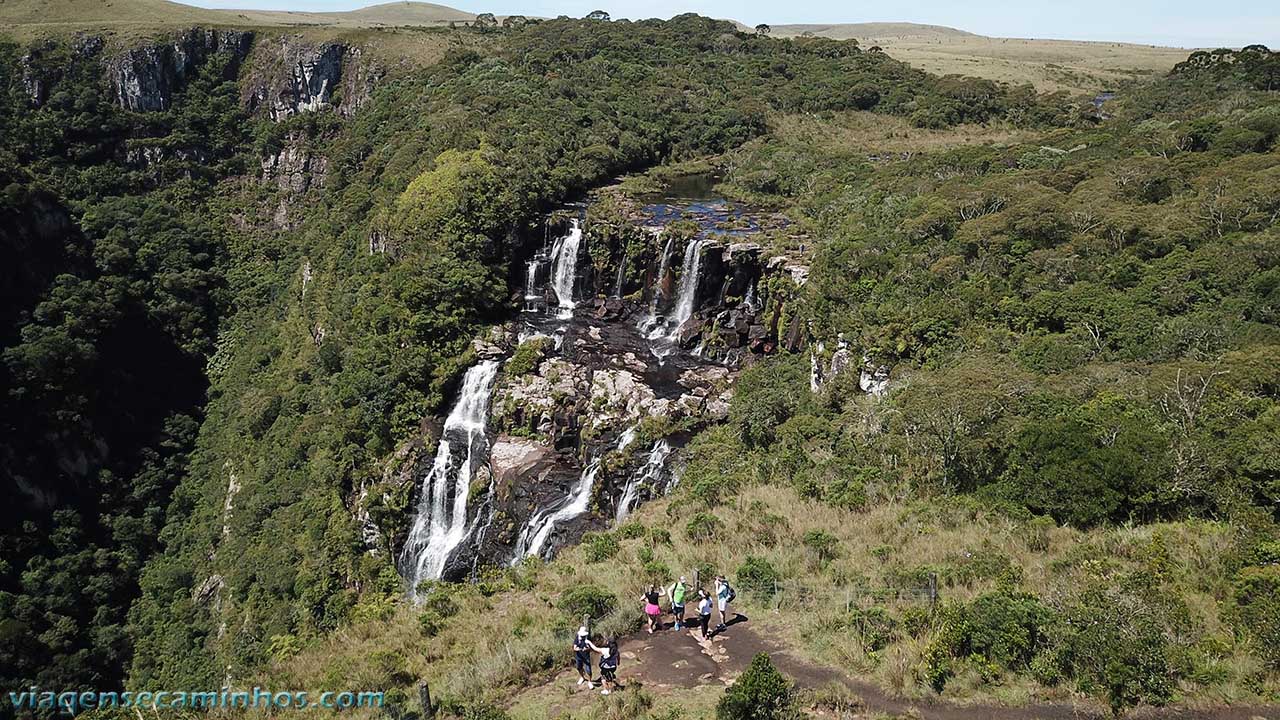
x=1181 y=23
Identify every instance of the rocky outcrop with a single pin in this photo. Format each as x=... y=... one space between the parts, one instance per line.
x=145 y=79
x=306 y=78
x=294 y=169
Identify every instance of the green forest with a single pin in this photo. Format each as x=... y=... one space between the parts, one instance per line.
x=1081 y=307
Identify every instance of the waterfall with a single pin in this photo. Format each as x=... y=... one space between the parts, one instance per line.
x=622 y=272
x=749 y=302
x=564 y=256
x=531 y=279
x=651 y=319
x=687 y=297
x=533 y=539
x=649 y=475
x=441 y=522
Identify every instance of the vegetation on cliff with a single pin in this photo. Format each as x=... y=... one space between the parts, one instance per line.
x=203 y=372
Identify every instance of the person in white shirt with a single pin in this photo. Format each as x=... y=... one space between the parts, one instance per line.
x=704 y=611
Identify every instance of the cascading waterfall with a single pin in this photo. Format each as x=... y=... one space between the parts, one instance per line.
x=687 y=297
x=533 y=539
x=622 y=268
x=441 y=522
x=564 y=257
x=531 y=279
x=649 y=475
x=650 y=321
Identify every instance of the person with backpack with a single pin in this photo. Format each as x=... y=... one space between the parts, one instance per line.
x=608 y=665
x=724 y=595
x=676 y=592
x=704 y=611
x=582 y=657
x=652 y=610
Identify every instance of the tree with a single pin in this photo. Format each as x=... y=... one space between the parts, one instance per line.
x=763 y=29
x=760 y=693
x=515 y=21
x=598 y=15
x=486 y=20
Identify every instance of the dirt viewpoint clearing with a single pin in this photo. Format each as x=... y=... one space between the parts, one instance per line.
x=670 y=662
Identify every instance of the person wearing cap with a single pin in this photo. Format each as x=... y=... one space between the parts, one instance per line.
x=677 y=592
x=582 y=657
x=704 y=611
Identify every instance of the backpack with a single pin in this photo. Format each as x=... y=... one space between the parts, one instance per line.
x=733 y=594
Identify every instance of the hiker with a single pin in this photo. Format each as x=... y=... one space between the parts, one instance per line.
x=608 y=664
x=652 y=609
x=677 y=592
x=582 y=657
x=704 y=611
x=724 y=596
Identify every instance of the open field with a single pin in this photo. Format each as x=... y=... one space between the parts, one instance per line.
x=33 y=18
x=1070 y=65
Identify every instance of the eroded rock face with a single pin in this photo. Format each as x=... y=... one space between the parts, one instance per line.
x=307 y=78
x=145 y=79
x=295 y=169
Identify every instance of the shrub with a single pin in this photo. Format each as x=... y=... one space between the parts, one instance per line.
x=1257 y=596
x=760 y=693
x=526 y=356
x=1115 y=641
x=822 y=543
x=758 y=575
x=587 y=599
x=1035 y=532
x=702 y=526
x=429 y=622
x=631 y=531
x=441 y=603
x=873 y=626
x=1006 y=628
x=599 y=546
x=657 y=572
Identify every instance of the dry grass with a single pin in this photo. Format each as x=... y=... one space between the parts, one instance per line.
x=875 y=133
x=1071 y=65
x=504 y=648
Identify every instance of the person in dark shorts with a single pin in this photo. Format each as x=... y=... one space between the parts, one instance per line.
x=608 y=665
x=677 y=593
x=582 y=657
x=704 y=611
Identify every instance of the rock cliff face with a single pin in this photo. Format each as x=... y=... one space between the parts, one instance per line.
x=145 y=79
x=633 y=331
x=305 y=78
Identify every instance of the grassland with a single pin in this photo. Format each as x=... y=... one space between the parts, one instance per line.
x=132 y=18
x=505 y=638
x=1077 y=67
x=1050 y=65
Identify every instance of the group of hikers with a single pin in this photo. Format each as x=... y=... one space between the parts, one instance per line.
x=678 y=593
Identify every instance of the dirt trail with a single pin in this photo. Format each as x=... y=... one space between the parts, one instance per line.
x=670 y=660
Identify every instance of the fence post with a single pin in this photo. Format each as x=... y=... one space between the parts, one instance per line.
x=933 y=589
x=697 y=584
x=424 y=697
x=586 y=623
x=848 y=599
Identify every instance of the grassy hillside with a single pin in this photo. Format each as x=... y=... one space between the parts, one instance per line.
x=1048 y=64
x=28 y=18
